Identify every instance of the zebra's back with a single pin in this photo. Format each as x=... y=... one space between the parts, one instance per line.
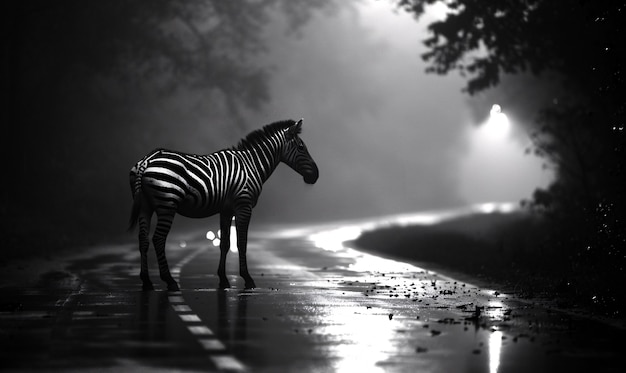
x=195 y=185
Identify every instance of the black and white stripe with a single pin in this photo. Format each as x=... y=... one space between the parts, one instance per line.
x=228 y=182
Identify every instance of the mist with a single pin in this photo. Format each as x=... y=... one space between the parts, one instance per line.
x=387 y=137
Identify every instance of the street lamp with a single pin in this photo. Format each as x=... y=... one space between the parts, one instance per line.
x=497 y=126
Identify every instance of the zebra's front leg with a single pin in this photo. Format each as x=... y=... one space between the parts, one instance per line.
x=242 y=221
x=164 y=223
x=225 y=222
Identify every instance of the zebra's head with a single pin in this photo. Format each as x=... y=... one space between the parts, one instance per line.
x=296 y=155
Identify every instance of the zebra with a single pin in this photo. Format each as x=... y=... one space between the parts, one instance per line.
x=227 y=182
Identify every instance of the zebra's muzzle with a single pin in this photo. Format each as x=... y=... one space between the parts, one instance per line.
x=311 y=176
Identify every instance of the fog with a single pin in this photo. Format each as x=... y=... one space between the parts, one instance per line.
x=387 y=137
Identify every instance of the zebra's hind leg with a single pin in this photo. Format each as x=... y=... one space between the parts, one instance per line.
x=144 y=244
x=164 y=223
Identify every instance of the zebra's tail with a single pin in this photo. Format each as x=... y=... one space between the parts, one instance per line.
x=136 y=176
x=134 y=214
x=135 y=187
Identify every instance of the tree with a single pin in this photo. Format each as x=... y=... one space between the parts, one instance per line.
x=65 y=62
x=580 y=132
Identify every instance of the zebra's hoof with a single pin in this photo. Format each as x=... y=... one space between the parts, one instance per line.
x=173 y=287
x=224 y=285
x=249 y=285
x=147 y=286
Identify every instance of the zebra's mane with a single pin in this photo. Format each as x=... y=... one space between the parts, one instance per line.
x=257 y=136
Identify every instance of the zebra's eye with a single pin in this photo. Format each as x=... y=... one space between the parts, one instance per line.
x=300 y=146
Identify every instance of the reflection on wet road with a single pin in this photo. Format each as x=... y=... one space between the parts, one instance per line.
x=320 y=307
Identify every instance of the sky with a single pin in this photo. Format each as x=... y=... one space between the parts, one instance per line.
x=387 y=137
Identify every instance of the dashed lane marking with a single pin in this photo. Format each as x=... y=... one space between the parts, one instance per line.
x=190 y=318
x=200 y=330
x=212 y=344
x=227 y=362
x=181 y=308
x=204 y=335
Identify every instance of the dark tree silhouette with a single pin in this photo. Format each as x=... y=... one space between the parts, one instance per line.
x=68 y=61
x=580 y=132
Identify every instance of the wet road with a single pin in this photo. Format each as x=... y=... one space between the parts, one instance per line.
x=319 y=307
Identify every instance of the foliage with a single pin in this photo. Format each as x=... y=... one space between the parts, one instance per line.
x=580 y=132
x=82 y=84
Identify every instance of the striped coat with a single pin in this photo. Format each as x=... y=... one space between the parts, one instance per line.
x=228 y=182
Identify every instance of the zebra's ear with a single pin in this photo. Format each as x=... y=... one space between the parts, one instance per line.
x=295 y=129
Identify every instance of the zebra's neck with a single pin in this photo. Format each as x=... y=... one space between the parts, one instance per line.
x=264 y=156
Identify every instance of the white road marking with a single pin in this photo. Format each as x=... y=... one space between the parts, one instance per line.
x=177 y=301
x=200 y=330
x=181 y=308
x=212 y=344
x=190 y=318
x=227 y=362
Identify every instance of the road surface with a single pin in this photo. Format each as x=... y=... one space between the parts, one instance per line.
x=320 y=306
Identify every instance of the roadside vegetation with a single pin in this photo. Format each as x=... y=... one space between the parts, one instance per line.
x=510 y=252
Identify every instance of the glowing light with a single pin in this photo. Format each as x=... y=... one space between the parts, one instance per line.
x=495 y=309
x=216 y=238
x=495 y=346
x=364 y=339
x=491 y=207
x=183 y=244
x=497 y=126
x=421 y=219
x=233 y=239
x=332 y=240
x=364 y=262
x=438 y=10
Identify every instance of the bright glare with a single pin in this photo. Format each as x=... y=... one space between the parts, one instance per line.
x=497 y=126
x=233 y=239
x=332 y=240
x=496 y=168
x=216 y=238
x=491 y=207
x=439 y=10
x=365 y=340
x=364 y=262
x=495 y=345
